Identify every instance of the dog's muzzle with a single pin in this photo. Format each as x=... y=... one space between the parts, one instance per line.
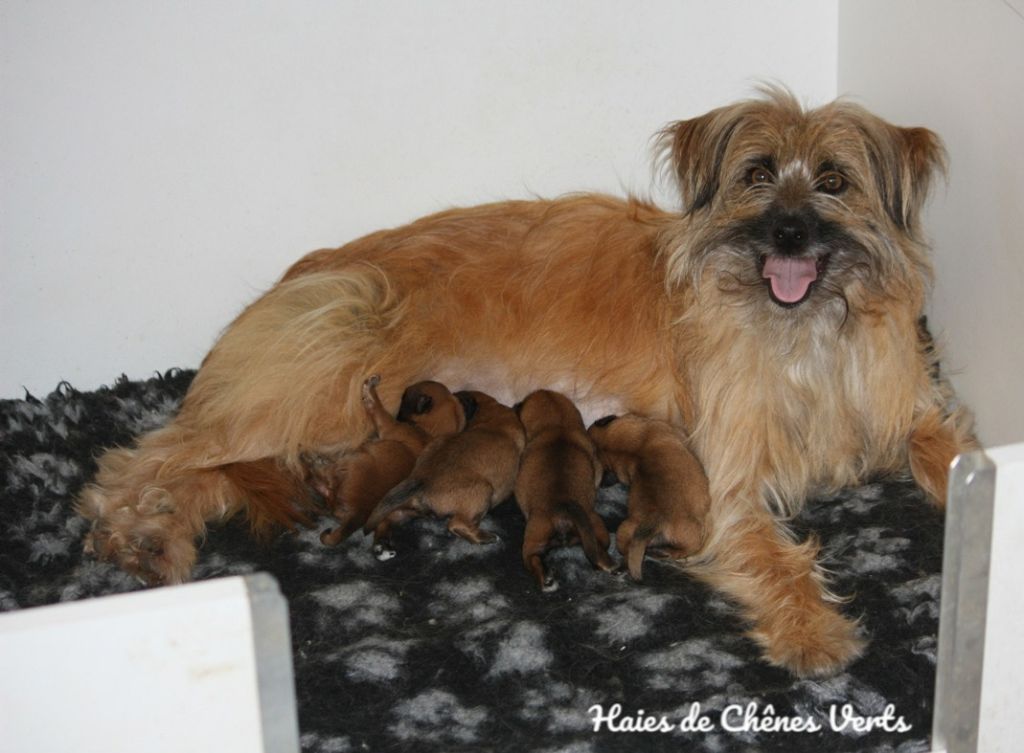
x=791 y=269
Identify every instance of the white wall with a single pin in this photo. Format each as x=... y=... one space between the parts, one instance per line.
x=161 y=163
x=958 y=68
x=1003 y=663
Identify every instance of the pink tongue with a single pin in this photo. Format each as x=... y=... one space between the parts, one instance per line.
x=790 y=277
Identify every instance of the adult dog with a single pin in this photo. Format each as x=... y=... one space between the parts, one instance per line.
x=775 y=319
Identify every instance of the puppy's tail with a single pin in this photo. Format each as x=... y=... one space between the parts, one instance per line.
x=406 y=493
x=579 y=519
x=638 y=549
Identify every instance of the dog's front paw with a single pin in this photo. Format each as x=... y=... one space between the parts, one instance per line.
x=816 y=643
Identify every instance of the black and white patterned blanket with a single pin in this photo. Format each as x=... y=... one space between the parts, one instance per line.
x=452 y=647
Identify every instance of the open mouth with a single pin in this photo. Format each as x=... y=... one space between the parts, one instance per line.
x=791 y=278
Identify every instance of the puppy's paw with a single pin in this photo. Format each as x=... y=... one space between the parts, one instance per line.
x=369 y=396
x=332 y=536
x=472 y=533
x=820 y=643
x=619 y=571
x=384 y=552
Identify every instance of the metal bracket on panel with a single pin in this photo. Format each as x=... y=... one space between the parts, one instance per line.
x=964 y=602
x=275 y=676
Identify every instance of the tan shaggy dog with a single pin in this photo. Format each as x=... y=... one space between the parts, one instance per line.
x=774 y=317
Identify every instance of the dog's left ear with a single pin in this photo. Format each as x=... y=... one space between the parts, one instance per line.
x=694 y=151
x=906 y=160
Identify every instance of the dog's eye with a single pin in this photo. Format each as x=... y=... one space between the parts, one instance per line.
x=759 y=175
x=832 y=183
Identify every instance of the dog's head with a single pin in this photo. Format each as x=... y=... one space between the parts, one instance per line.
x=799 y=210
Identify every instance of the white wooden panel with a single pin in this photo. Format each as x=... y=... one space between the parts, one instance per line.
x=168 y=670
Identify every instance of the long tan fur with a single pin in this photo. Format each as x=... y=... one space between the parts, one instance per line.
x=624 y=307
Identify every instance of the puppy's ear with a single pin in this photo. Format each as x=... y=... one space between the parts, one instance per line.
x=694 y=151
x=414 y=403
x=469 y=405
x=424 y=404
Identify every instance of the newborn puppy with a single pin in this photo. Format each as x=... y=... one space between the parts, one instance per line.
x=668 y=490
x=557 y=484
x=357 y=481
x=460 y=476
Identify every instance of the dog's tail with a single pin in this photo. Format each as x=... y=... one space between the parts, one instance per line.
x=405 y=494
x=638 y=549
x=573 y=511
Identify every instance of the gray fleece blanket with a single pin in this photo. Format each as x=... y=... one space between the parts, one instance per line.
x=452 y=647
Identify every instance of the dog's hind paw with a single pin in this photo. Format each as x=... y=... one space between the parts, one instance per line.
x=151 y=553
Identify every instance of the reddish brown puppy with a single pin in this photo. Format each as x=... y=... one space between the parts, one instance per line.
x=668 y=489
x=557 y=484
x=461 y=476
x=353 y=484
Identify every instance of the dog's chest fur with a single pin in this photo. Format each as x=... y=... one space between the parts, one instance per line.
x=801 y=411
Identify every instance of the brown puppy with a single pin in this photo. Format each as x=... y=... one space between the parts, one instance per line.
x=354 y=483
x=772 y=315
x=557 y=483
x=461 y=476
x=668 y=490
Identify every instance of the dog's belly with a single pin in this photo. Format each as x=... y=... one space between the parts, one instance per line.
x=510 y=388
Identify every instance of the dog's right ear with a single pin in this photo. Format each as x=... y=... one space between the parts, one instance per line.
x=694 y=151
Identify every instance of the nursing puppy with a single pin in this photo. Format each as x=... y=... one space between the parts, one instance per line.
x=353 y=484
x=668 y=491
x=773 y=316
x=557 y=484
x=461 y=476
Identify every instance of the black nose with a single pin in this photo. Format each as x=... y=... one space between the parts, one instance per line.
x=790 y=235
